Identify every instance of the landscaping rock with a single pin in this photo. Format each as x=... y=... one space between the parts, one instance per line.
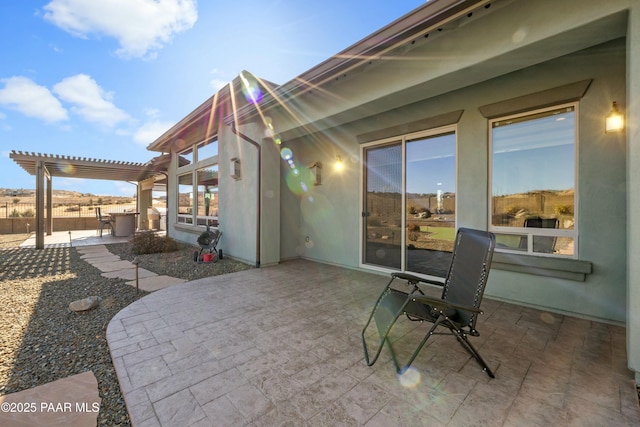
x=85 y=303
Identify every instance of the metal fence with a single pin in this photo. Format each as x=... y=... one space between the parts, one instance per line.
x=28 y=210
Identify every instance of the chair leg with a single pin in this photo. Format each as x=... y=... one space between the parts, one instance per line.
x=422 y=343
x=464 y=341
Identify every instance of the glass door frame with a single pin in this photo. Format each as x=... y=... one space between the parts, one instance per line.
x=402 y=140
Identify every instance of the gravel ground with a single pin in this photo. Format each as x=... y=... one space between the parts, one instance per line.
x=180 y=263
x=42 y=341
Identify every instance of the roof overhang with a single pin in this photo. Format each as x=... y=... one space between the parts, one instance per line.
x=411 y=25
x=77 y=167
x=201 y=125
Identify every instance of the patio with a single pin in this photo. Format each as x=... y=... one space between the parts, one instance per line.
x=74 y=238
x=281 y=346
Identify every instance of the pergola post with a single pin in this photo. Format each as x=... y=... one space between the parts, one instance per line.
x=40 y=172
x=49 y=221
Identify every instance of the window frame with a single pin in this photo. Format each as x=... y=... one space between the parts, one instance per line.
x=192 y=221
x=404 y=139
x=531 y=232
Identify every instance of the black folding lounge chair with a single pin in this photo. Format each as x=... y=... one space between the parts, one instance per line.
x=456 y=310
x=541 y=244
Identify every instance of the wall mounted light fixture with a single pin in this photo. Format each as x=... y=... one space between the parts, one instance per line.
x=339 y=165
x=614 y=122
x=316 y=170
x=235 y=169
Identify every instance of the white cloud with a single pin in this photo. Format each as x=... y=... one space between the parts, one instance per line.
x=24 y=95
x=150 y=131
x=217 y=82
x=140 y=26
x=89 y=100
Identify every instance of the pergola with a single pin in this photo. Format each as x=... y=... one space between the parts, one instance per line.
x=45 y=166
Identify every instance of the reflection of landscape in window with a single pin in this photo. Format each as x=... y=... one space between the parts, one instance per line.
x=533 y=180
x=185 y=198
x=431 y=185
x=429 y=204
x=207 y=203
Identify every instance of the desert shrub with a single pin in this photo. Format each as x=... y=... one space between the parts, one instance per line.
x=28 y=213
x=374 y=222
x=413 y=227
x=413 y=236
x=14 y=214
x=148 y=242
x=564 y=210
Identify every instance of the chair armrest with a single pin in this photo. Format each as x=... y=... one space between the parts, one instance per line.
x=441 y=304
x=415 y=279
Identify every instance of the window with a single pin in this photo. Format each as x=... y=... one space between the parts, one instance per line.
x=533 y=176
x=185 y=199
x=410 y=202
x=207 y=150
x=207 y=202
x=198 y=185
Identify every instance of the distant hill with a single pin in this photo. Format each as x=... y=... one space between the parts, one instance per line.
x=21 y=192
x=22 y=195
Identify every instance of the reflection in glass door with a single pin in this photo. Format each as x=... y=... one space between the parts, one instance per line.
x=430 y=197
x=409 y=209
x=382 y=214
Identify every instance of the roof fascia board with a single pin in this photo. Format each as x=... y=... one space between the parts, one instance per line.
x=413 y=24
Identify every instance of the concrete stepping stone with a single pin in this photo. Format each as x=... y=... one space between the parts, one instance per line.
x=129 y=274
x=70 y=402
x=100 y=258
x=91 y=249
x=150 y=284
x=112 y=265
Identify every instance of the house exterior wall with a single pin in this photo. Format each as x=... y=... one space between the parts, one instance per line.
x=513 y=49
x=330 y=213
x=633 y=191
x=238 y=203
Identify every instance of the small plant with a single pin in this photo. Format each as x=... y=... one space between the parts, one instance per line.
x=14 y=214
x=148 y=242
x=413 y=236
x=414 y=227
x=564 y=210
x=28 y=213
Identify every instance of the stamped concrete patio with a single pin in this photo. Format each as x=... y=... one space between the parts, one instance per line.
x=281 y=346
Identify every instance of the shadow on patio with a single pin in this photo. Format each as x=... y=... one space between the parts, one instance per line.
x=281 y=346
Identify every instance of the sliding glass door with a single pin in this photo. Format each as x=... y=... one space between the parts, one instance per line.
x=382 y=215
x=409 y=214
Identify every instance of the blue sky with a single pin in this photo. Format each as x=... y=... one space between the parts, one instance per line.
x=103 y=79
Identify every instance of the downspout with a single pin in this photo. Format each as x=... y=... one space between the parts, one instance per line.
x=166 y=203
x=259 y=193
